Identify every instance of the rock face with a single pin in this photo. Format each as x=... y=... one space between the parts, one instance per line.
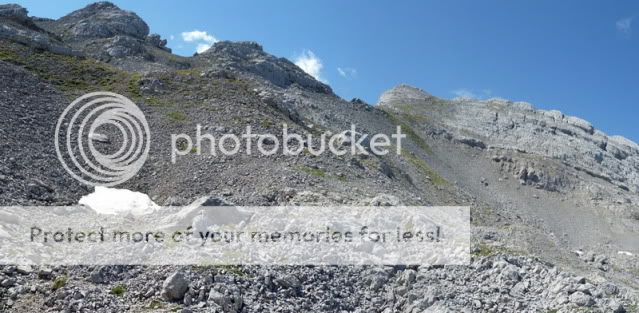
x=101 y=30
x=501 y=124
x=16 y=26
x=101 y=20
x=156 y=41
x=105 y=31
x=250 y=57
x=14 y=12
x=122 y=46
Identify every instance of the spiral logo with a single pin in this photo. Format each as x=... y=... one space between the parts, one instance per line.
x=78 y=128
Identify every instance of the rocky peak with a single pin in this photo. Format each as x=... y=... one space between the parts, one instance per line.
x=240 y=49
x=249 y=57
x=17 y=26
x=101 y=20
x=403 y=94
x=13 y=12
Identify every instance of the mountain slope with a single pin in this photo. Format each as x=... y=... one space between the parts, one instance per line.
x=540 y=184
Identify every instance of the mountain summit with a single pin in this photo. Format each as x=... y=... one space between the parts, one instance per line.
x=100 y=20
x=403 y=94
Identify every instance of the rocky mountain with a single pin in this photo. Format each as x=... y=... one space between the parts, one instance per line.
x=553 y=200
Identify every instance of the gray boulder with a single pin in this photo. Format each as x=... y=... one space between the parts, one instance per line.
x=581 y=299
x=175 y=286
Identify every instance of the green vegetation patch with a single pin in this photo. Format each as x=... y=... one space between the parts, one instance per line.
x=156 y=305
x=73 y=75
x=134 y=86
x=118 y=290
x=410 y=133
x=483 y=249
x=633 y=308
x=59 y=282
x=423 y=167
x=317 y=172
x=176 y=116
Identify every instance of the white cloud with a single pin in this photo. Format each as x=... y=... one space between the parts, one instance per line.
x=624 y=25
x=310 y=64
x=466 y=94
x=347 y=72
x=172 y=37
x=203 y=39
x=198 y=35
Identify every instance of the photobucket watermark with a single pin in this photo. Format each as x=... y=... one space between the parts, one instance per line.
x=285 y=142
x=77 y=130
x=103 y=139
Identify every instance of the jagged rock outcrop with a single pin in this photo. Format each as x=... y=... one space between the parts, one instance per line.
x=156 y=41
x=15 y=25
x=105 y=31
x=14 y=12
x=100 y=20
x=250 y=57
x=101 y=30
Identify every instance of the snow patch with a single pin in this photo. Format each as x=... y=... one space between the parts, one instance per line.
x=118 y=201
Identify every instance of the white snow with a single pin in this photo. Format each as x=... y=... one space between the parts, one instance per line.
x=118 y=201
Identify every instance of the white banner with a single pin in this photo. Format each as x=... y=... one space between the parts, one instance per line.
x=202 y=235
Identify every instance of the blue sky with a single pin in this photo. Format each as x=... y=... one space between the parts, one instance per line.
x=580 y=57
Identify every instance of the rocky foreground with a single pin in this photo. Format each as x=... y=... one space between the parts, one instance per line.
x=553 y=199
x=490 y=284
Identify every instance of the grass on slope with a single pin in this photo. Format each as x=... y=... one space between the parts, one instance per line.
x=424 y=168
x=75 y=75
x=401 y=120
x=317 y=172
x=321 y=173
x=176 y=116
x=118 y=290
x=71 y=74
x=410 y=133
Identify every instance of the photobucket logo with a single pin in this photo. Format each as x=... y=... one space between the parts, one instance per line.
x=287 y=143
x=77 y=131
